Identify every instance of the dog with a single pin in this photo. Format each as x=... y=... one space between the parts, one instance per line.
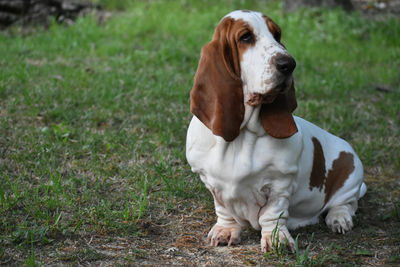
x=264 y=166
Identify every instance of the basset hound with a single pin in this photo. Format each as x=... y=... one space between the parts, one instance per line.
x=264 y=167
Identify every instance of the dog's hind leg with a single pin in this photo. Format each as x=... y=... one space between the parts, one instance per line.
x=339 y=218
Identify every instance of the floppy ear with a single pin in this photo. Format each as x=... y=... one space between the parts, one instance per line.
x=217 y=94
x=277 y=118
x=273 y=28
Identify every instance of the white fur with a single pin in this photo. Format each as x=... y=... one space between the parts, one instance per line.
x=262 y=181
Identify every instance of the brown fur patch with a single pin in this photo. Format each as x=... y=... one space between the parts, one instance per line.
x=341 y=169
x=273 y=28
x=318 y=172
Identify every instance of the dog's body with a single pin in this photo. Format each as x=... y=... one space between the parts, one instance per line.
x=264 y=166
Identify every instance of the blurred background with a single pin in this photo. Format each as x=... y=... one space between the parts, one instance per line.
x=41 y=11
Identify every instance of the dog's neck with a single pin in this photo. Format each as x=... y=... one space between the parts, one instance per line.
x=250 y=131
x=252 y=120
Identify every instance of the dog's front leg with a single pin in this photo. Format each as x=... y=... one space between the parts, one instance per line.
x=226 y=231
x=272 y=218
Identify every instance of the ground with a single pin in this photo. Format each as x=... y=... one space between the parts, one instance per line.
x=178 y=237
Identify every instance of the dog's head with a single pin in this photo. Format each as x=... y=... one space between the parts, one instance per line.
x=245 y=64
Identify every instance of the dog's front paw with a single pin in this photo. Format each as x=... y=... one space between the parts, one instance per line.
x=220 y=235
x=272 y=240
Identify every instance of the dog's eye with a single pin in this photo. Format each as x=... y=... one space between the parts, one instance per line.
x=246 y=38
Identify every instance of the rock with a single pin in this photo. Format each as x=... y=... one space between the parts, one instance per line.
x=40 y=11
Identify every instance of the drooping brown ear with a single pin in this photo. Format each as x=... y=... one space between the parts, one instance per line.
x=277 y=118
x=217 y=94
x=274 y=29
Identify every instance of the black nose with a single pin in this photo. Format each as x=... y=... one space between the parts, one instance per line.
x=285 y=64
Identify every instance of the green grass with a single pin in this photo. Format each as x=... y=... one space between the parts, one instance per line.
x=93 y=117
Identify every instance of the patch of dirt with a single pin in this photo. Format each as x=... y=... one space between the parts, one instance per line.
x=179 y=238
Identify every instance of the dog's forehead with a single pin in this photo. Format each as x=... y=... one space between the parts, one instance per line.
x=254 y=19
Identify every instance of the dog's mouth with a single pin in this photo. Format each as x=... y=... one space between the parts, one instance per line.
x=255 y=99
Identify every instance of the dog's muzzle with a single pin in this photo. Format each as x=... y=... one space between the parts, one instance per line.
x=284 y=64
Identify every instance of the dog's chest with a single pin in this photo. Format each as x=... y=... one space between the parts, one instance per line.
x=241 y=174
x=237 y=162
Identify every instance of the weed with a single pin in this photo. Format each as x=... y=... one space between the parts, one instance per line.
x=281 y=253
x=305 y=259
x=394 y=214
